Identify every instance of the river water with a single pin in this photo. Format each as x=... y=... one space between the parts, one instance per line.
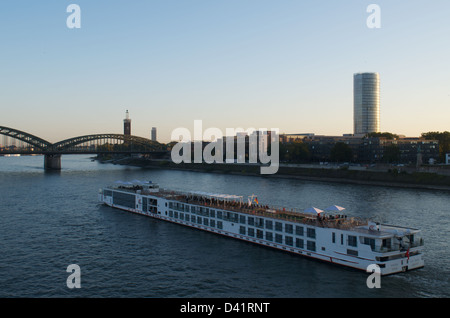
x=51 y=220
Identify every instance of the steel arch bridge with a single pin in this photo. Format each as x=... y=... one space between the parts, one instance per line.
x=141 y=144
x=88 y=144
x=26 y=137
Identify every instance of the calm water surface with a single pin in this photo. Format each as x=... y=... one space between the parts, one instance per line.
x=51 y=220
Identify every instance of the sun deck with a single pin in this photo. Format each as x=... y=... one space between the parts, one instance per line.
x=235 y=203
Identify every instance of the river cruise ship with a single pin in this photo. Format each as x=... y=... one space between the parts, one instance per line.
x=328 y=235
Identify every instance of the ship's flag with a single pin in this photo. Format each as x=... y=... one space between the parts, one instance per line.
x=407 y=253
x=256 y=200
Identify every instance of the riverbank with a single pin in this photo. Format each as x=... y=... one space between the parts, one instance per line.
x=391 y=178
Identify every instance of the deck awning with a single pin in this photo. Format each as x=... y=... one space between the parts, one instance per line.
x=313 y=210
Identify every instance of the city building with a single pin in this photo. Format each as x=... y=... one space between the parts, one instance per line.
x=369 y=149
x=294 y=137
x=366 y=103
x=447 y=158
x=127 y=125
x=153 y=134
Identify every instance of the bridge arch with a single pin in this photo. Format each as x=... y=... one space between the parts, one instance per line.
x=26 y=137
x=67 y=144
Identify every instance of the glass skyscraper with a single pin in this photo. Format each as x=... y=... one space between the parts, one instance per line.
x=366 y=103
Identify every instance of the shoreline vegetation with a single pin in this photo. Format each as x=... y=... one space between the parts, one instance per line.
x=388 y=178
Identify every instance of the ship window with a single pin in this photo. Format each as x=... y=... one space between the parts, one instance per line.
x=311 y=245
x=288 y=228
x=144 y=204
x=242 y=219
x=299 y=243
x=124 y=199
x=269 y=225
x=259 y=234
x=251 y=231
x=278 y=238
x=259 y=222
x=205 y=221
x=333 y=237
x=289 y=240
x=310 y=232
x=219 y=224
x=352 y=241
x=352 y=252
x=219 y=214
x=181 y=216
x=251 y=220
x=107 y=193
x=278 y=226
x=212 y=213
x=369 y=241
x=269 y=236
x=242 y=230
x=176 y=215
x=299 y=230
x=386 y=243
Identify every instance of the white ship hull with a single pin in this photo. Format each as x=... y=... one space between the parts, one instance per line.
x=356 y=247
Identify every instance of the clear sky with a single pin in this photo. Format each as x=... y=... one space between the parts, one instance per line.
x=284 y=64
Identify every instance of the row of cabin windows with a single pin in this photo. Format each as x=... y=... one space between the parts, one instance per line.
x=196 y=219
x=257 y=222
x=242 y=219
x=258 y=233
x=277 y=238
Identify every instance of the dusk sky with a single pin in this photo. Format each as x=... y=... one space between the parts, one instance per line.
x=231 y=63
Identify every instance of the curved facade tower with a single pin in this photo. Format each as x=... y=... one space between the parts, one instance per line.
x=366 y=103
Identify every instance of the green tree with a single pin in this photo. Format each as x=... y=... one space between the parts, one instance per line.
x=295 y=151
x=387 y=135
x=391 y=154
x=341 y=152
x=444 y=142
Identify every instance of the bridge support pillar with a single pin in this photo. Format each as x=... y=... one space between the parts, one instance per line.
x=52 y=162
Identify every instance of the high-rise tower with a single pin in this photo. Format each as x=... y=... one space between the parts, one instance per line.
x=127 y=125
x=366 y=103
x=153 y=134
